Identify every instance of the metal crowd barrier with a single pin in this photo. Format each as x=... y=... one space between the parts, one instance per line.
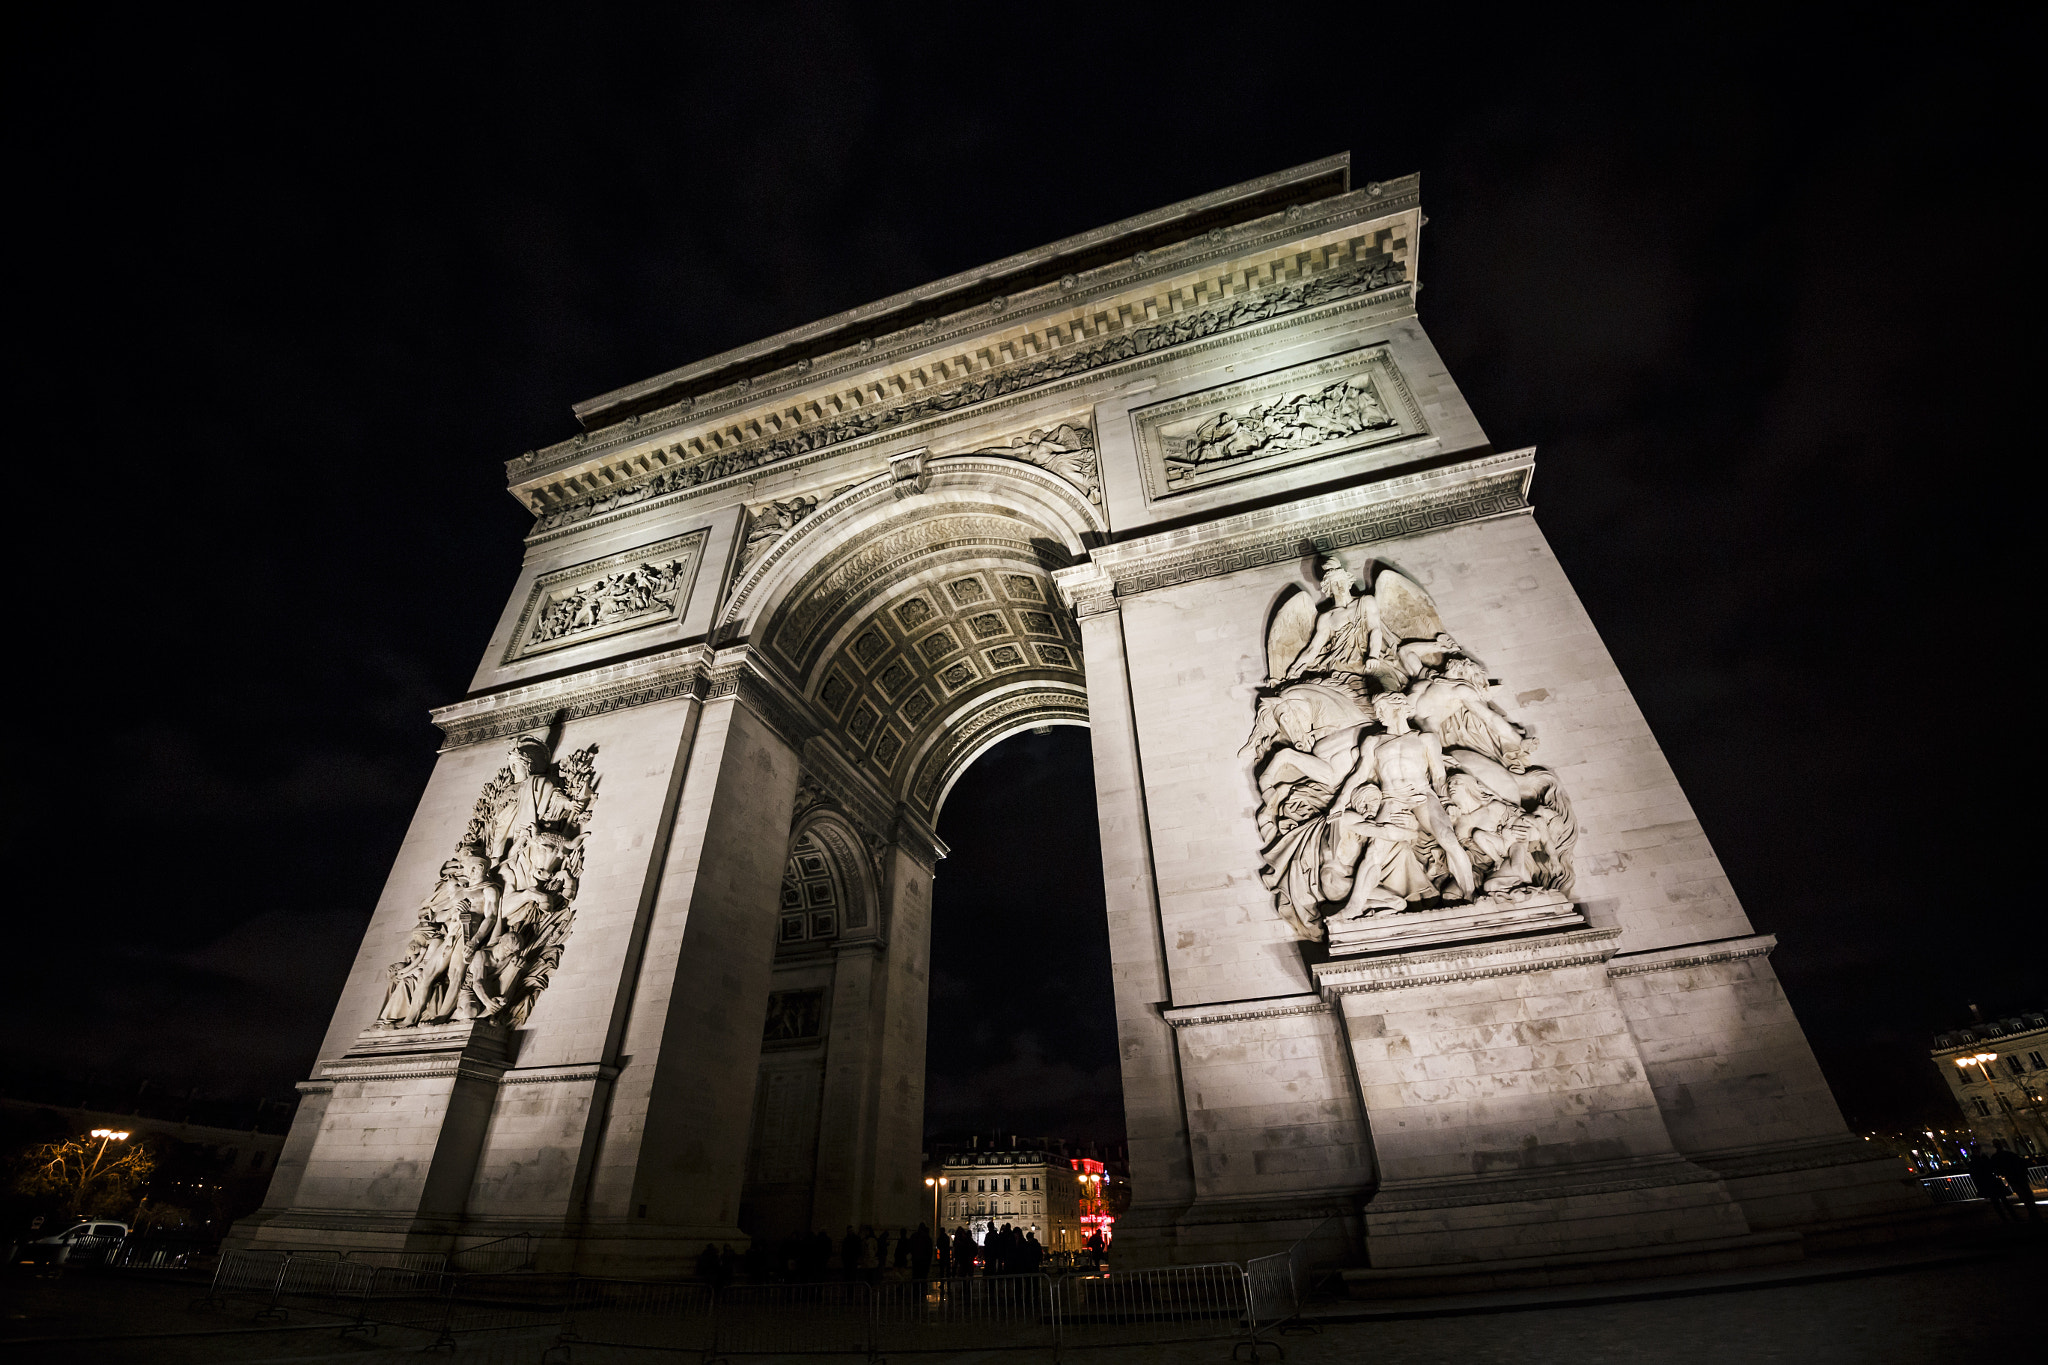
x=597 y=1317
x=1958 y=1189
x=985 y=1313
x=994 y=1312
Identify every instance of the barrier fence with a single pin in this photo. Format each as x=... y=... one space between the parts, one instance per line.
x=601 y=1319
x=1043 y=1312
x=1957 y=1189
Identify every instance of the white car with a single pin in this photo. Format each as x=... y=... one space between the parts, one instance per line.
x=87 y=1243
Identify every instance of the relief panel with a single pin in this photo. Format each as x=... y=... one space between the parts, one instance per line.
x=1306 y=412
x=630 y=590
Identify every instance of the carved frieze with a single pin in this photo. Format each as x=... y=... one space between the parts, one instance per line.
x=1307 y=412
x=1067 y=449
x=1389 y=779
x=626 y=591
x=491 y=933
x=1242 y=310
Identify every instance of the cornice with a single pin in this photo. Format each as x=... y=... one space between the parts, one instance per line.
x=1383 y=198
x=1692 y=955
x=1241 y=1011
x=1510 y=957
x=550 y=1075
x=637 y=682
x=737 y=673
x=1102 y=358
x=1387 y=509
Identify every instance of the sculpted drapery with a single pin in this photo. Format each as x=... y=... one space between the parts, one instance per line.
x=1389 y=780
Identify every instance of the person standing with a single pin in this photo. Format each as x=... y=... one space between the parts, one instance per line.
x=1990 y=1184
x=2012 y=1168
x=849 y=1253
x=921 y=1254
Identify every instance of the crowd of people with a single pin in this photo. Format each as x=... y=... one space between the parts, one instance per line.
x=872 y=1255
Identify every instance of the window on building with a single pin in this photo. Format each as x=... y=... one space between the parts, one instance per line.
x=2038 y=1064
x=1983 y=1109
x=1006 y=1184
x=1034 y=1182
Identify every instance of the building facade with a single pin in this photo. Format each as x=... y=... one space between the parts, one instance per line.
x=1031 y=1190
x=1998 y=1073
x=1418 y=949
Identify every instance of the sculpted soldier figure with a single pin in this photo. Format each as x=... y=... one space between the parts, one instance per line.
x=1408 y=767
x=1456 y=709
x=1370 y=864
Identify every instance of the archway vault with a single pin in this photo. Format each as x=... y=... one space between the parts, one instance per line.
x=922 y=622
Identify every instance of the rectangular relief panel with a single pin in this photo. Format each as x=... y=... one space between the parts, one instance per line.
x=630 y=590
x=1332 y=406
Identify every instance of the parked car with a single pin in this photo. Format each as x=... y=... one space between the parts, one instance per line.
x=84 y=1244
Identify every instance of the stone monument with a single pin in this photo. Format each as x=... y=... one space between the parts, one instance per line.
x=1419 y=952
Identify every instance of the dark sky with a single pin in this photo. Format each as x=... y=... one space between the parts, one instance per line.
x=285 y=301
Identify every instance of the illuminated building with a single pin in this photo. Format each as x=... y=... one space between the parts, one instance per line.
x=1028 y=1189
x=1998 y=1072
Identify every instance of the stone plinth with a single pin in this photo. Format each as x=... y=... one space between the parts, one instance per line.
x=406 y=1111
x=1510 y=1110
x=1402 y=930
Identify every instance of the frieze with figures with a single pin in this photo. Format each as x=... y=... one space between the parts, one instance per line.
x=1349 y=281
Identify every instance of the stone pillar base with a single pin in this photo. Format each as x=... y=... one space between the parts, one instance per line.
x=1631 y=1207
x=1587 y=1267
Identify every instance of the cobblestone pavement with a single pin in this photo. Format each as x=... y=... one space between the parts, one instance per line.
x=1976 y=1310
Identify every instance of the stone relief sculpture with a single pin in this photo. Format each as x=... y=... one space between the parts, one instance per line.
x=1067 y=450
x=766 y=523
x=1302 y=421
x=642 y=590
x=1243 y=310
x=491 y=933
x=1388 y=778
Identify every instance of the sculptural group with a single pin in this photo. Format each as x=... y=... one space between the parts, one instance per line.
x=491 y=933
x=1389 y=780
x=609 y=600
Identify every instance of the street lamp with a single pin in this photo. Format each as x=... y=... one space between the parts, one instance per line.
x=937 y=1187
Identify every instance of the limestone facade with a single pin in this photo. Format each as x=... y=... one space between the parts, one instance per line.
x=1998 y=1072
x=784 y=597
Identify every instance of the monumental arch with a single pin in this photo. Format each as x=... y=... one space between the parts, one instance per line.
x=1418 y=949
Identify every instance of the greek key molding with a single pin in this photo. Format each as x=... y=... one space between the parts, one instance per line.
x=1493 y=486
x=1197 y=1016
x=1578 y=948
x=638 y=682
x=1676 y=959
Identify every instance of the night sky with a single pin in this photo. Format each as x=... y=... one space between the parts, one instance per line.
x=286 y=301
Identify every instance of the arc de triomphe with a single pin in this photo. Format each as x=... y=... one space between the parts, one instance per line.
x=1417 y=945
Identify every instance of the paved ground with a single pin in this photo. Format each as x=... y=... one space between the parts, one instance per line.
x=1977 y=1308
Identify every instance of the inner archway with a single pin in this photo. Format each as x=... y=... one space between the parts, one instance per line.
x=1022 y=1042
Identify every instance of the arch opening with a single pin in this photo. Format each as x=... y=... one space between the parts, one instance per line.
x=1022 y=1053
